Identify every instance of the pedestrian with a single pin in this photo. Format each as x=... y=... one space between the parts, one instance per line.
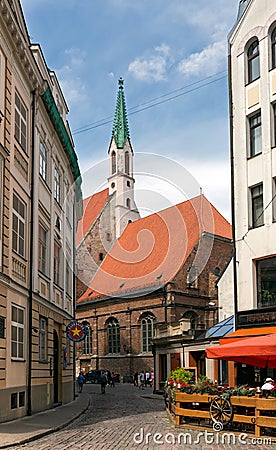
x=135 y=379
x=152 y=378
x=108 y=377
x=147 y=378
x=81 y=380
x=267 y=387
x=142 y=380
x=112 y=379
x=103 y=381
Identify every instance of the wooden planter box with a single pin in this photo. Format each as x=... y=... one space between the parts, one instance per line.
x=197 y=406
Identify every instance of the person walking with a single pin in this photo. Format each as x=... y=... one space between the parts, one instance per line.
x=112 y=380
x=142 y=380
x=103 y=381
x=147 y=378
x=81 y=381
x=135 y=379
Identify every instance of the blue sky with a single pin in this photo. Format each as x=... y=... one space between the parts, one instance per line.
x=162 y=49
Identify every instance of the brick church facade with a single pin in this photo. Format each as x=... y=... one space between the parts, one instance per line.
x=135 y=273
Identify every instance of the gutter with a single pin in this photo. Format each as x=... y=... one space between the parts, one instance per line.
x=235 y=292
x=31 y=268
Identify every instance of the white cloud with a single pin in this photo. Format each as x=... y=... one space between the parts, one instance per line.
x=207 y=62
x=72 y=85
x=152 y=68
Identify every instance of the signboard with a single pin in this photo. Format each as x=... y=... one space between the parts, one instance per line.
x=76 y=331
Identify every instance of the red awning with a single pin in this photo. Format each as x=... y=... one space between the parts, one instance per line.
x=257 y=351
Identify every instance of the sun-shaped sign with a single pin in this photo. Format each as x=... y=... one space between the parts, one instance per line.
x=76 y=331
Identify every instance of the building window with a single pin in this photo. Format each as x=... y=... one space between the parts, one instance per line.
x=147 y=333
x=57 y=186
x=113 y=336
x=21 y=397
x=43 y=156
x=42 y=249
x=17 y=333
x=20 y=124
x=1 y=205
x=253 y=58
x=113 y=162
x=128 y=203
x=257 y=206
x=56 y=263
x=274 y=199
x=87 y=342
x=266 y=282
x=192 y=277
x=42 y=339
x=101 y=256
x=273 y=48
x=255 y=125
x=18 y=226
x=127 y=162
x=14 y=400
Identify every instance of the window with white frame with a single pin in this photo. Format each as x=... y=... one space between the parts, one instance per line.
x=42 y=339
x=18 y=226
x=57 y=185
x=257 y=206
x=266 y=282
x=255 y=126
x=57 y=251
x=273 y=47
x=17 y=332
x=147 y=333
x=113 y=336
x=43 y=161
x=20 y=122
x=42 y=249
x=253 y=61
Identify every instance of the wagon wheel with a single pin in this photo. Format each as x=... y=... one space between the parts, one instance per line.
x=221 y=410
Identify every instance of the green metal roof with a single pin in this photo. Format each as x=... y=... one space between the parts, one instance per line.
x=60 y=128
x=120 y=130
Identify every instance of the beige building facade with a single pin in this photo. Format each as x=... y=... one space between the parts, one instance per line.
x=40 y=203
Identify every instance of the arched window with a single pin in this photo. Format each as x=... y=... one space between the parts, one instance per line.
x=273 y=48
x=127 y=162
x=113 y=159
x=113 y=336
x=192 y=318
x=253 y=59
x=87 y=342
x=192 y=277
x=147 y=332
x=128 y=202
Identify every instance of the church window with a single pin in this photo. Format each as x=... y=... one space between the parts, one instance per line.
x=87 y=342
x=101 y=256
x=113 y=185
x=128 y=202
x=128 y=183
x=127 y=163
x=147 y=332
x=253 y=59
x=192 y=277
x=113 y=336
x=113 y=159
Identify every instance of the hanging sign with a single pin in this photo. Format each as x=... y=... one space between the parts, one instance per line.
x=76 y=331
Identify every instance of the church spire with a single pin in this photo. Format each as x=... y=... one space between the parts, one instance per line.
x=120 y=130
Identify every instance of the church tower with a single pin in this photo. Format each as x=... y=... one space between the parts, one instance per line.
x=120 y=180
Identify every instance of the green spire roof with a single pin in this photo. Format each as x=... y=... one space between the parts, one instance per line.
x=120 y=130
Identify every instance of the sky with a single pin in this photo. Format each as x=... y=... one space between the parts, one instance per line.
x=172 y=55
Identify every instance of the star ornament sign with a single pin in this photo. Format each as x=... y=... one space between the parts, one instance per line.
x=76 y=331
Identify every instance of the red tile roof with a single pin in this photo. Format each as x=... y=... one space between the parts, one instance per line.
x=92 y=206
x=152 y=250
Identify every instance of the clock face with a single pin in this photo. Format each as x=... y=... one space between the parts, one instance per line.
x=76 y=331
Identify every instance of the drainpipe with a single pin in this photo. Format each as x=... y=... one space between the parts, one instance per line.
x=31 y=268
x=232 y=188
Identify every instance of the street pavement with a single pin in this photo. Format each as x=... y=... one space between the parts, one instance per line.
x=125 y=417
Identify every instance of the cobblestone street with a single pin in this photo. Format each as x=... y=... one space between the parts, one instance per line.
x=129 y=418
